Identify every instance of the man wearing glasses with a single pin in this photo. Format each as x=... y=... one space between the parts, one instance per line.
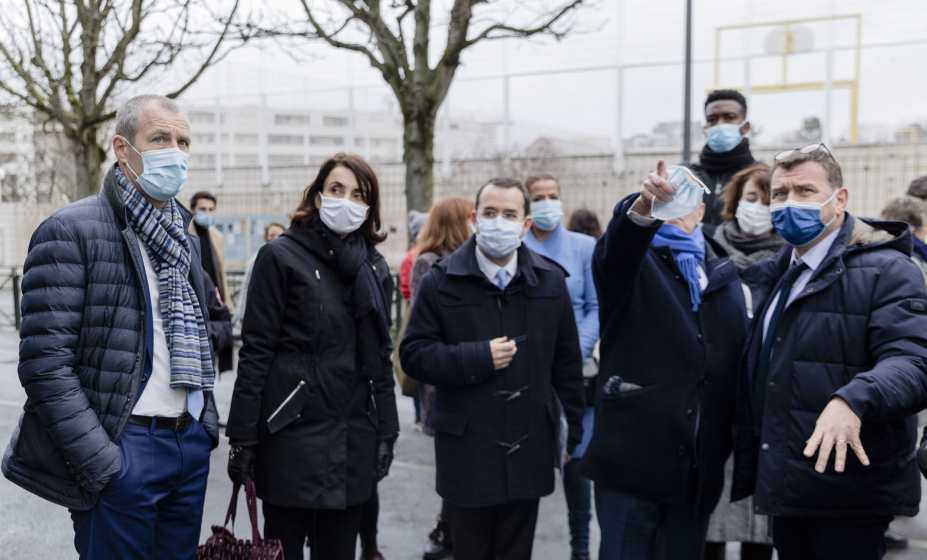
x=835 y=369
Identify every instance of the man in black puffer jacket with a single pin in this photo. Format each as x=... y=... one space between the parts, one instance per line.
x=120 y=418
x=836 y=361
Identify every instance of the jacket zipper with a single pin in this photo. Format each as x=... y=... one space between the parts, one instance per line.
x=288 y=399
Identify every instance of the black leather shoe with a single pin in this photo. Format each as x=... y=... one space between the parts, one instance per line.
x=439 y=542
x=894 y=540
x=580 y=556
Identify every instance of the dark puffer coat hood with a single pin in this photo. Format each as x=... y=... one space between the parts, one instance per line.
x=857 y=331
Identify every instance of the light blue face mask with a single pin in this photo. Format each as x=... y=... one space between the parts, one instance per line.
x=546 y=214
x=686 y=200
x=165 y=172
x=499 y=237
x=204 y=219
x=722 y=138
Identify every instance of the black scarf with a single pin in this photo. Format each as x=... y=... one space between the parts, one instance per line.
x=727 y=162
x=744 y=250
x=366 y=299
x=209 y=264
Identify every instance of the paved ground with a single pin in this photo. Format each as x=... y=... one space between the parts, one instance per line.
x=31 y=528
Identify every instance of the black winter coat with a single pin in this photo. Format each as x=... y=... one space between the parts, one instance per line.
x=82 y=348
x=494 y=430
x=298 y=395
x=648 y=442
x=858 y=331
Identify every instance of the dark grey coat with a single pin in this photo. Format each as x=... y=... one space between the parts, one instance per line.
x=82 y=348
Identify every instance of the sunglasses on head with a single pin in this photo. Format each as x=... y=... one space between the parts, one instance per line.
x=809 y=149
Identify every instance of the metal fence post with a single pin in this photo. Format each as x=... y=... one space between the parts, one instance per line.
x=17 y=312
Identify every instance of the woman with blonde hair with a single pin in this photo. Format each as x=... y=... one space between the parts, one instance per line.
x=447 y=228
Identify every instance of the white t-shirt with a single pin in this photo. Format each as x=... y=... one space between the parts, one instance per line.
x=159 y=398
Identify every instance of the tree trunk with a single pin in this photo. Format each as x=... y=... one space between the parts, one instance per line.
x=89 y=157
x=418 y=154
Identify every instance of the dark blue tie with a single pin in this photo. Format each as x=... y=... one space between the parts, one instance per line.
x=762 y=370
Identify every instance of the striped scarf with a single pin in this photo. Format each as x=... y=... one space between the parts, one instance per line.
x=167 y=245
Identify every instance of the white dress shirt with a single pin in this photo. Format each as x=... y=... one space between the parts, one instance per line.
x=159 y=398
x=490 y=269
x=813 y=258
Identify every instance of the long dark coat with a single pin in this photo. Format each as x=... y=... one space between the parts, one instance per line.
x=652 y=442
x=858 y=331
x=298 y=395
x=494 y=439
x=82 y=348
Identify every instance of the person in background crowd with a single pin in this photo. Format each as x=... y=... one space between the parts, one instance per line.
x=203 y=206
x=492 y=327
x=313 y=412
x=835 y=369
x=748 y=236
x=918 y=188
x=272 y=231
x=220 y=319
x=673 y=327
x=416 y=221
x=115 y=354
x=726 y=151
x=572 y=251
x=912 y=211
x=447 y=228
x=585 y=222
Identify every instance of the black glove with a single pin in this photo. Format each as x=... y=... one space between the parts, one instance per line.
x=241 y=463
x=384 y=458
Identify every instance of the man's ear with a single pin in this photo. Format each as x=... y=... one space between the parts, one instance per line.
x=745 y=129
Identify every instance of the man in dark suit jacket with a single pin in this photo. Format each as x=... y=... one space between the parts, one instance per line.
x=493 y=329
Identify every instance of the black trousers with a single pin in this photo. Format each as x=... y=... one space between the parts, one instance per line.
x=799 y=538
x=369 y=517
x=491 y=532
x=332 y=533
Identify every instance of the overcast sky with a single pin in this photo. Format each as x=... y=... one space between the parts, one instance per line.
x=892 y=80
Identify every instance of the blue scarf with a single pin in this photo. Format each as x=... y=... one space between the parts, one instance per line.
x=167 y=245
x=689 y=252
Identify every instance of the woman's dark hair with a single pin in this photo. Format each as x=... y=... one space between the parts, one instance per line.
x=307 y=213
x=734 y=190
x=586 y=222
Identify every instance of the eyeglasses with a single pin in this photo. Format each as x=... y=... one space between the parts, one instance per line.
x=809 y=149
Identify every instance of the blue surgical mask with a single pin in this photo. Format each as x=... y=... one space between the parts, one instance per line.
x=686 y=200
x=499 y=237
x=724 y=137
x=546 y=214
x=799 y=223
x=204 y=219
x=165 y=172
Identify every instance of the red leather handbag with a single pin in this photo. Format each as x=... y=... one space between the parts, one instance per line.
x=223 y=545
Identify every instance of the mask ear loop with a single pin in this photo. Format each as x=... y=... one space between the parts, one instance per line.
x=127 y=161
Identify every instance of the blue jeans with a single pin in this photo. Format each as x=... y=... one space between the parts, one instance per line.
x=153 y=507
x=637 y=529
x=578 y=490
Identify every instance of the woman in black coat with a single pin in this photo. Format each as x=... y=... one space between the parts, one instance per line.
x=313 y=416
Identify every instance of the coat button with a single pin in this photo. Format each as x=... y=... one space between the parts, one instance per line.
x=143 y=314
x=330 y=252
x=681 y=451
x=83 y=483
x=772 y=384
x=704 y=382
x=128 y=399
x=765 y=447
x=144 y=378
x=136 y=359
x=472 y=379
x=677 y=277
x=756 y=508
x=810 y=290
x=778 y=340
x=700 y=336
x=839 y=271
x=690 y=414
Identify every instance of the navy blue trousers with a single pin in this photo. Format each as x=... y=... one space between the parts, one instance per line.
x=638 y=529
x=799 y=538
x=153 y=507
x=578 y=490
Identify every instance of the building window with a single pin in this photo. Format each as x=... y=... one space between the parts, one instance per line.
x=7 y=158
x=204 y=138
x=204 y=159
x=326 y=140
x=291 y=120
x=286 y=160
x=246 y=139
x=247 y=160
x=202 y=117
x=7 y=137
x=284 y=139
x=336 y=121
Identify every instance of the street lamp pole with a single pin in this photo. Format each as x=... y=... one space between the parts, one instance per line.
x=687 y=109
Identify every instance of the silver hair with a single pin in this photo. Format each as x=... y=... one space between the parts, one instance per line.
x=129 y=116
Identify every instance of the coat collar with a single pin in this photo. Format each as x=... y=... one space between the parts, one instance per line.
x=462 y=262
